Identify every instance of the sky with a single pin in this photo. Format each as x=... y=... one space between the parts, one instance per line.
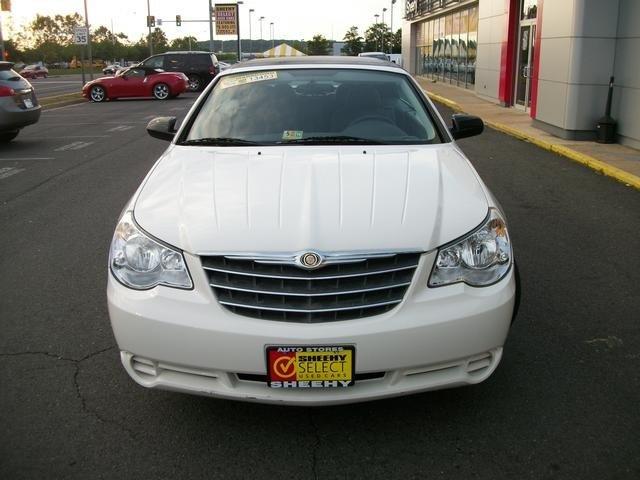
x=297 y=20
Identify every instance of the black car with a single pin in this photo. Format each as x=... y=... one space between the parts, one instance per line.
x=200 y=67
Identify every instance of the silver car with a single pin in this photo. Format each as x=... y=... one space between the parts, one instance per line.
x=18 y=103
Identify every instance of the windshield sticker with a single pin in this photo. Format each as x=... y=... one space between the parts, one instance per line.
x=292 y=135
x=235 y=80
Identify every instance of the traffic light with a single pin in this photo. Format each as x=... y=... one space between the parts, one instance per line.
x=151 y=21
x=178 y=20
x=5 y=5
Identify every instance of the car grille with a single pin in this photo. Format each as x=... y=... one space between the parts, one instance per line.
x=366 y=286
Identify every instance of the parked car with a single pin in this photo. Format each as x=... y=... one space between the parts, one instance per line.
x=34 y=71
x=312 y=235
x=111 y=69
x=18 y=103
x=137 y=82
x=378 y=55
x=200 y=67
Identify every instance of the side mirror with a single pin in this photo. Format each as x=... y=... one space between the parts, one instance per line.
x=465 y=126
x=163 y=128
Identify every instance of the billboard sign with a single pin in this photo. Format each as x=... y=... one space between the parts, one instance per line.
x=226 y=15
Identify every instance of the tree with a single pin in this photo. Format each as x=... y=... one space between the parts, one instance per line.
x=159 y=41
x=397 y=42
x=185 y=43
x=55 y=30
x=353 y=42
x=318 y=46
x=378 y=38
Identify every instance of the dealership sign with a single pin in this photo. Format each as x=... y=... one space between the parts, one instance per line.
x=226 y=15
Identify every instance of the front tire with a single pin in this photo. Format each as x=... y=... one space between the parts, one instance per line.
x=97 y=94
x=161 y=91
x=6 y=137
x=195 y=83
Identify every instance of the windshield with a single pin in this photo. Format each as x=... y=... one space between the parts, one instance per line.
x=312 y=106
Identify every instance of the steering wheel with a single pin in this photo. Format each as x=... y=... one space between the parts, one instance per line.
x=371 y=117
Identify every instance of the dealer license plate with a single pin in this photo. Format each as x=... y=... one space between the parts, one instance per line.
x=27 y=102
x=311 y=366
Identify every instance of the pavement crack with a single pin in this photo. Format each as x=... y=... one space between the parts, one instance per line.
x=77 y=364
x=316 y=445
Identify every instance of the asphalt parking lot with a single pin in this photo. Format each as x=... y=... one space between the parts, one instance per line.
x=562 y=404
x=58 y=85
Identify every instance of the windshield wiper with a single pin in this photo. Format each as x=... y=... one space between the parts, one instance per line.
x=332 y=139
x=213 y=141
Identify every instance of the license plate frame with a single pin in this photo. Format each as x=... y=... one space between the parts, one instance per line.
x=310 y=366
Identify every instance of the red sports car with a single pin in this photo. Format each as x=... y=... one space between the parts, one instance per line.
x=137 y=82
x=34 y=71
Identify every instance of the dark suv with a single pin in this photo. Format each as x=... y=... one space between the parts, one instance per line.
x=200 y=67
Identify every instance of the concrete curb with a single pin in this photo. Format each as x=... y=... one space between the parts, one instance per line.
x=599 y=166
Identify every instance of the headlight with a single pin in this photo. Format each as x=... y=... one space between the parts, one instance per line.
x=138 y=261
x=481 y=258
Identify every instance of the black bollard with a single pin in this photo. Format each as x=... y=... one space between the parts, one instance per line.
x=606 y=127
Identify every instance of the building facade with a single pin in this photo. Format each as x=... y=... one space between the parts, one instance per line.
x=551 y=58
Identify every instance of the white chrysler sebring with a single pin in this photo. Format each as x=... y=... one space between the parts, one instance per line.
x=313 y=235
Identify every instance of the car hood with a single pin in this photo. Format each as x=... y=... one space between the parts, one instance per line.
x=289 y=199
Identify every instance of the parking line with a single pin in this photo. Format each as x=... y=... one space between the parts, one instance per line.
x=121 y=128
x=15 y=159
x=73 y=146
x=9 y=171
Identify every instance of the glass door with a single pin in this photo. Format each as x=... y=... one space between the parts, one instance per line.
x=524 y=70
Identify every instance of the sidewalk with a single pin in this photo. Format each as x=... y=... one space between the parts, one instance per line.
x=612 y=160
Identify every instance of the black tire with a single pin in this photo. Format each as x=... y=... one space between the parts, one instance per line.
x=6 y=137
x=161 y=91
x=98 y=94
x=195 y=83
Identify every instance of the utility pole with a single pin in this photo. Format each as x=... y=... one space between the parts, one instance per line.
x=149 y=25
x=86 y=23
x=210 y=26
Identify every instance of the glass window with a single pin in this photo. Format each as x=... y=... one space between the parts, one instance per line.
x=472 y=45
x=312 y=106
x=154 y=62
x=464 y=30
x=528 y=9
x=455 y=47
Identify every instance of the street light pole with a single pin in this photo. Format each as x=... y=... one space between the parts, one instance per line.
x=86 y=23
x=272 y=34
x=391 y=27
x=261 y=19
x=211 y=47
x=383 y=10
x=1 y=40
x=251 y=10
x=238 y=30
x=149 y=25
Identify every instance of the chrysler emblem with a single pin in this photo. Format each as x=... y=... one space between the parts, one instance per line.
x=310 y=260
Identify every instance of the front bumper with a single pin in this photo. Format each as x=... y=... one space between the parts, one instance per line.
x=183 y=340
